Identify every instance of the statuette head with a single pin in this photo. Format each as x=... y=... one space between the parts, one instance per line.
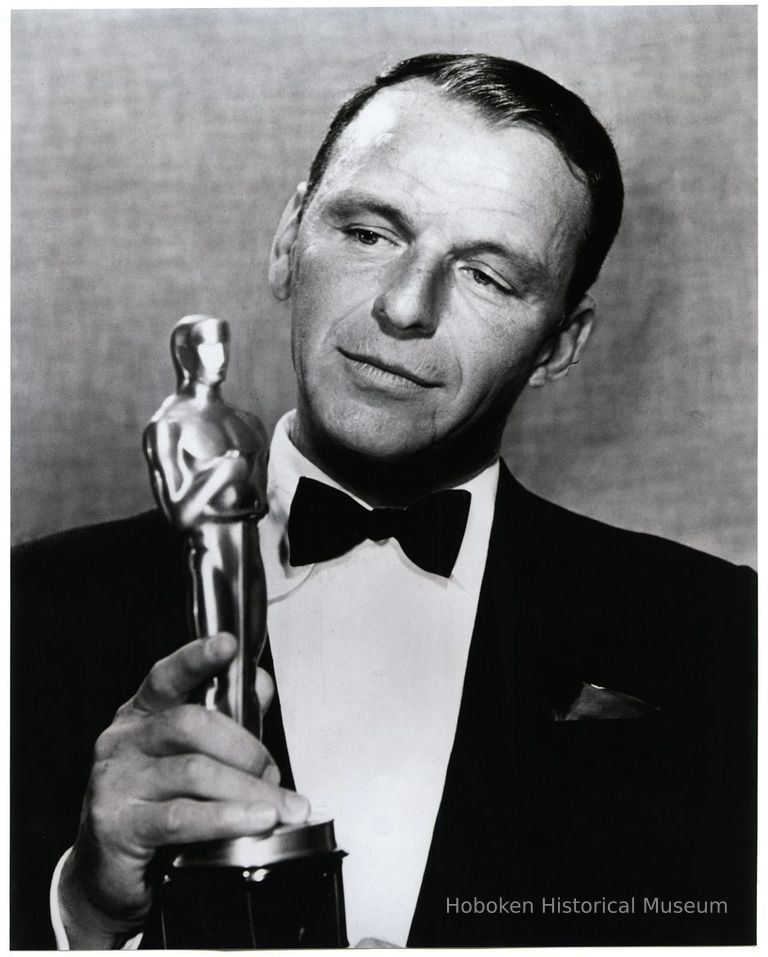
x=200 y=348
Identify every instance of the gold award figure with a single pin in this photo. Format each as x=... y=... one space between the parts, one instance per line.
x=208 y=467
x=208 y=464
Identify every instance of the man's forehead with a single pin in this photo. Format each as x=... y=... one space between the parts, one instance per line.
x=395 y=110
x=413 y=121
x=415 y=142
x=382 y=114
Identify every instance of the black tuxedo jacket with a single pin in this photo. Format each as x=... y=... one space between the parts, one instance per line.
x=605 y=748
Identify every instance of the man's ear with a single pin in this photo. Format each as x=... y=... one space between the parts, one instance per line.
x=563 y=348
x=281 y=253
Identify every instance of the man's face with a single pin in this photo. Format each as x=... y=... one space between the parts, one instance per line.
x=429 y=273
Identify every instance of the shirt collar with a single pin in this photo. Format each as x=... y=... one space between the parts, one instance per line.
x=287 y=465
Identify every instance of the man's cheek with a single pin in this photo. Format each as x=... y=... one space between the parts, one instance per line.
x=326 y=305
x=323 y=263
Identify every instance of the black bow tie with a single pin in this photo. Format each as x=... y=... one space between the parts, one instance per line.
x=325 y=523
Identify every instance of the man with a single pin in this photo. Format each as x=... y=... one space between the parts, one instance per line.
x=552 y=711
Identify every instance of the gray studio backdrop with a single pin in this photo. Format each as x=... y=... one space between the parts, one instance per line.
x=152 y=154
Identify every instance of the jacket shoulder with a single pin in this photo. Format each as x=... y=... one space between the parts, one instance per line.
x=145 y=532
x=644 y=615
x=589 y=539
x=80 y=570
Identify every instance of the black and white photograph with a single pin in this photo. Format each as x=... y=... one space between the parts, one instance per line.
x=383 y=477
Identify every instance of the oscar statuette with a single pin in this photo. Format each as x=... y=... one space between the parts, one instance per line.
x=208 y=468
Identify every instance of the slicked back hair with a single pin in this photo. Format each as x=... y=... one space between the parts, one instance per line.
x=505 y=92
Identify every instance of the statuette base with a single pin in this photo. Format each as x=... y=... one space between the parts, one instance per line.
x=285 y=843
x=282 y=890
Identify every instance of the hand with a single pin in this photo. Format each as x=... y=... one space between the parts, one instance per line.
x=164 y=772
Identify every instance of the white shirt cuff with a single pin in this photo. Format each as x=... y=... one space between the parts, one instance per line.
x=62 y=942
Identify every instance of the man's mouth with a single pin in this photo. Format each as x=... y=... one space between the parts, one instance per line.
x=383 y=370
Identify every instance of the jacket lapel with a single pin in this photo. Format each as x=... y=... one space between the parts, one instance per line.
x=518 y=672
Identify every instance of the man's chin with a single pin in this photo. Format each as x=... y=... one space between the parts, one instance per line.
x=379 y=434
x=393 y=461
x=385 y=447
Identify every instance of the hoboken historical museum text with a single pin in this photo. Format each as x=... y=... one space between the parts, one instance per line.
x=576 y=906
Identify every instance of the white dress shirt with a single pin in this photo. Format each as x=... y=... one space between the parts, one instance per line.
x=369 y=654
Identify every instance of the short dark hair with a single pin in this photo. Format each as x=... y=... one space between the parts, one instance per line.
x=505 y=92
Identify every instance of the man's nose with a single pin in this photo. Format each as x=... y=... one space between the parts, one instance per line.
x=409 y=301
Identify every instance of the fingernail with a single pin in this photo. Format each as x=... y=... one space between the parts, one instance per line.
x=298 y=806
x=272 y=774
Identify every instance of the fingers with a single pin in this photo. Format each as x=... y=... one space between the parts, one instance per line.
x=198 y=776
x=167 y=772
x=173 y=679
x=185 y=821
x=190 y=728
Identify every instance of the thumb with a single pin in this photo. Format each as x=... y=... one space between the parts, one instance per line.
x=173 y=679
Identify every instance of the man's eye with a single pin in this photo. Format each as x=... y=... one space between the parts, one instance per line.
x=365 y=237
x=483 y=279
